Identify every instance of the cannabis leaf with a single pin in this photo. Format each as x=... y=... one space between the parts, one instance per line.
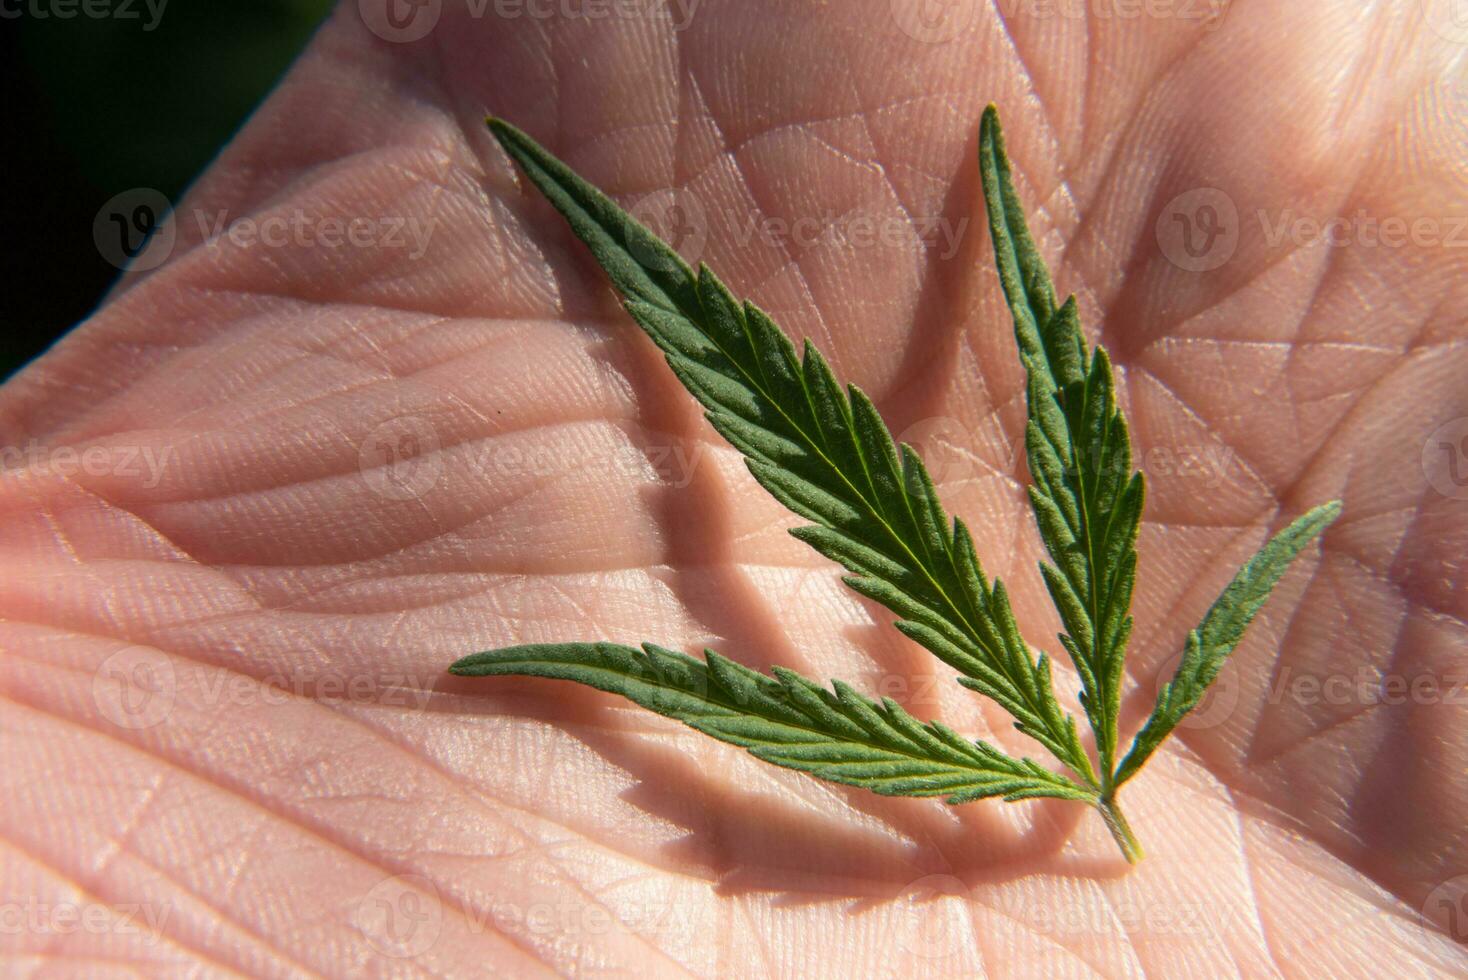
x=826 y=454
x=1086 y=498
x=1222 y=628
x=790 y=721
x=822 y=452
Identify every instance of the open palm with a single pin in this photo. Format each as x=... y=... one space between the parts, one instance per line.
x=377 y=410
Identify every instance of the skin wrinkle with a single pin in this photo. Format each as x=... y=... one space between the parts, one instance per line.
x=929 y=284
x=301 y=180
x=1084 y=89
x=119 y=840
x=792 y=261
x=336 y=475
x=280 y=951
x=1380 y=768
x=1197 y=417
x=1328 y=264
x=1311 y=736
x=299 y=822
x=1349 y=416
x=1037 y=933
x=276 y=949
x=1080 y=233
x=1167 y=333
x=177 y=353
x=1318 y=732
x=67 y=879
x=1250 y=875
x=114 y=846
x=1012 y=43
x=1140 y=695
x=1042 y=215
x=58 y=533
x=1236 y=455
x=1129 y=940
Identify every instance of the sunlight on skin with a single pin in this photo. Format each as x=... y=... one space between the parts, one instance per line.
x=252 y=508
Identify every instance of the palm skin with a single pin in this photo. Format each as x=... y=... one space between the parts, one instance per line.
x=224 y=699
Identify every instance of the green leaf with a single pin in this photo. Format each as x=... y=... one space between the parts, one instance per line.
x=825 y=453
x=1086 y=497
x=1209 y=645
x=787 y=720
x=822 y=451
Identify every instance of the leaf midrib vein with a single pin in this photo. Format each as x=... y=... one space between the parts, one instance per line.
x=970 y=629
x=738 y=711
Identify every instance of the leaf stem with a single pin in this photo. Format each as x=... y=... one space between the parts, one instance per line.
x=1121 y=831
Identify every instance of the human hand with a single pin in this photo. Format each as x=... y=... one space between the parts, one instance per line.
x=319 y=474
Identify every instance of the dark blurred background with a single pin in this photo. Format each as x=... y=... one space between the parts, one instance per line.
x=96 y=106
